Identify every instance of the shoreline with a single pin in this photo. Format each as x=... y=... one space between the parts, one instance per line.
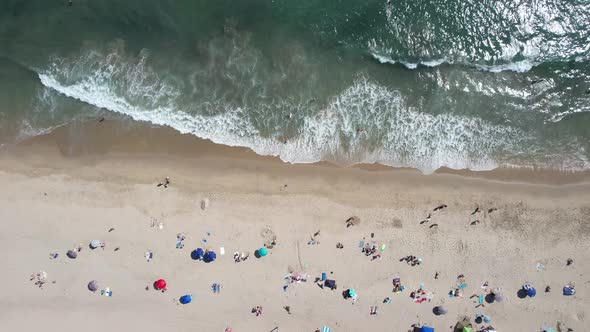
x=91 y=140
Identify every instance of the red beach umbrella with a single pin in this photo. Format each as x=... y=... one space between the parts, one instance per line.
x=160 y=284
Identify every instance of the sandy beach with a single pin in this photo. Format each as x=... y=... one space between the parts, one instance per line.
x=72 y=186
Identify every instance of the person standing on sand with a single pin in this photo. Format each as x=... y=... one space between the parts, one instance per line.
x=166 y=183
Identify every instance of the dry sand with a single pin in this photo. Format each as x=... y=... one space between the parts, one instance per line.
x=60 y=190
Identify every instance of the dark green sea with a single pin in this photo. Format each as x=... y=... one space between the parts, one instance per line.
x=459 y=83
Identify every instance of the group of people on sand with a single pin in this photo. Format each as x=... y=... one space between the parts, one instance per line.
x=371 y=250
x=461 y=284
x=240 y=257
x=419 y=295
x=412 y=260
x=39 y=278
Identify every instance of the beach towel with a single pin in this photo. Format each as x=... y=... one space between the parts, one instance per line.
x=330 y=283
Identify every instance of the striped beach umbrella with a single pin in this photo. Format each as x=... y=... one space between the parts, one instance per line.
x=326 y=329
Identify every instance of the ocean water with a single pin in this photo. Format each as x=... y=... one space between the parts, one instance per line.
x=457 y=83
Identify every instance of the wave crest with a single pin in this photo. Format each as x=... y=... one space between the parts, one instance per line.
x=365 y=122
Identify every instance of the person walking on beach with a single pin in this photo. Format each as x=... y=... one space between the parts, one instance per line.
x=166 y=183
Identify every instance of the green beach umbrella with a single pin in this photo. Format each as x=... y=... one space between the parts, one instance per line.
x=351 y=292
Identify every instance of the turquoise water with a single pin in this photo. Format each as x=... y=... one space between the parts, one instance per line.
x=464 y=84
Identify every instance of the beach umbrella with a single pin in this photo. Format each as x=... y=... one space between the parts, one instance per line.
x=351 y=292
x=262 y=252
x=326 y=329
x=160 y=284
x=93 y=286
x=72 y=254
x=569 y=290
x=209 y=257
x=185 y=299
x=197 y=254
x=467 y=329
x=440 y=310
x=427 y=329
x=531 y=292
x=229 y=329
x=94 y=244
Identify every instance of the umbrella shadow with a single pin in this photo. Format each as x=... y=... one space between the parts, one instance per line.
x=489 y=298
x=521 y=293
x=439 y=310
x=257 y=254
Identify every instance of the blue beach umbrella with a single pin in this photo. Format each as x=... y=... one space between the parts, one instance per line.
x=569 y=290
x=185 y=299
x=72 y=254
x=427 y=329
x=262 y=252
x=209 y=257
x=531 y=292
x=197 y=254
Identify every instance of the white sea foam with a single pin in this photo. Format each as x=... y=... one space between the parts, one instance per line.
x=518 y=66
x=365 y=122
x=407 y=137
x=392 y=134
x=501 y=36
